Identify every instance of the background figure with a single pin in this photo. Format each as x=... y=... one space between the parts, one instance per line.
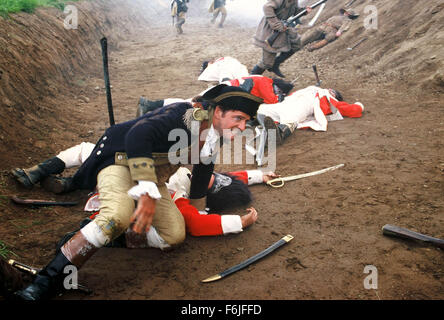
x=218 y=6
x=178 y=10
x=330 y=30
x=288 y=41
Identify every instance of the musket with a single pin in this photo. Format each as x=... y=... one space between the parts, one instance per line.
x=290 y=21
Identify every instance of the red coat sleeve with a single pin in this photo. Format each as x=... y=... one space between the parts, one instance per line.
x=263 y=88
x=241 y=175
x=199 y=224
x=346 y=109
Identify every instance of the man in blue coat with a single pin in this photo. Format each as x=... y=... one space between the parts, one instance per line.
x=131 y=162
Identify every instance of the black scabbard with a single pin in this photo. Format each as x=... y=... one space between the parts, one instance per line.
x=251 y=260
x=394 y=231
x=42 y=203
x=104 y=45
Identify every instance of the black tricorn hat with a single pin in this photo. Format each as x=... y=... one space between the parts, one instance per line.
x=233 y=98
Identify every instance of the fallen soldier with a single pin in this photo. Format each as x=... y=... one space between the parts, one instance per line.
x=272 y=90
x=329 y=31
x=305 y=108
x=230 y=185
x=222 y=69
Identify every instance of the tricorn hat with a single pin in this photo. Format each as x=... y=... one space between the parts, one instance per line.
x=233 y=98
x=351 y=13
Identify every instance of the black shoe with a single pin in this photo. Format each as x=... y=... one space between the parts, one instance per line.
x=29 y=177
x=283 y=56
x=257 y=70
x=276 y=71
x=269 y=124
x=284 y=132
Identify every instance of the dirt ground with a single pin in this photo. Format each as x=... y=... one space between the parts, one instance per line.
x=53 y=97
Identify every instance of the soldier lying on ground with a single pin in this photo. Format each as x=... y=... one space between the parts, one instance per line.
x=271 y=90
x=330 y=30
x=305 y=108
x=221 y=69
x=222 y=186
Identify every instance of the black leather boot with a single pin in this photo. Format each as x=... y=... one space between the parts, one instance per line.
x=283 y=56
x=48 y=281
x=29 y=177
x=76 y=251
x=257 y=70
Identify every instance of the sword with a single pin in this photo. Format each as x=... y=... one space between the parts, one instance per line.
x=279 y=182
x=249 y=261
x=23 y=267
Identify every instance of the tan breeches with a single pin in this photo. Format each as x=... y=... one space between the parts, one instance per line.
x=117 y=207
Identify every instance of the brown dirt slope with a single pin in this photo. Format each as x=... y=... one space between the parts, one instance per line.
x=52 y=97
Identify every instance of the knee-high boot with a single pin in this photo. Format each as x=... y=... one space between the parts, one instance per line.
x=283 y=56
x=50 y=279
x=29 y=177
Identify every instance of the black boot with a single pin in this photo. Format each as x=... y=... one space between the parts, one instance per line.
x=29 y=177
x=283 y=56
x=146 y=105
x=47 y=282
x=257 y=70
x=76 y=251
x=282 y=130
x=58 y=184
x=284 y=133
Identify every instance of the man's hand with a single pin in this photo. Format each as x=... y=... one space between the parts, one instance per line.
x=338 y=34
x=267 y=176
x=142 y=217
x=249 y=218
x=309 y=9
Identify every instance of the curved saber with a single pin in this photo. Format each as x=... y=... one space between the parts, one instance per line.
x=279 y=182
x=249 y=261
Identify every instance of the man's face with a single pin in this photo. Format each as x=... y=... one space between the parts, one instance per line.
x=229 y=123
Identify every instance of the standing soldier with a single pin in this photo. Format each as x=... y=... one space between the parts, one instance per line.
x=218 y=6
x=330 y=30
x=288 y=41
x=178 y=10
